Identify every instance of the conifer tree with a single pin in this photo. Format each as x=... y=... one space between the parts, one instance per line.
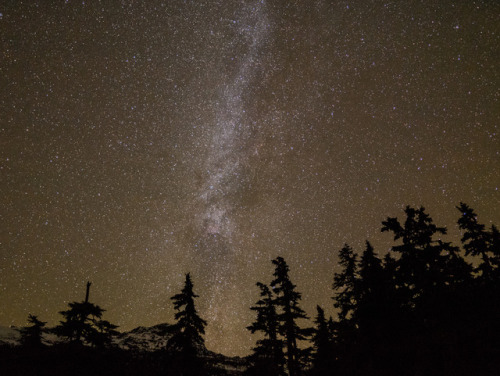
x=82 y=324
x=477 y=241
x=31 y=336
x=268 y=358
x=483 y=319
x=370 y=292
x=187 y=340
x=332 y=331
x=420 y=266
x=345 y=286
x=495 y=249
x=287 y=300
x=344 y=283
x=190 y=326
x=323 y=345
x=103 y=335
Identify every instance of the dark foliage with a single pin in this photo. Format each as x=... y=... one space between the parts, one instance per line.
x=268 y=357
x=278 y=312
x=287 y=301
x=426 y=307
x=31 y=336
x=82 y=324
x=76 y=360
x=323 y=346
x=422 y=309
x=187 y=340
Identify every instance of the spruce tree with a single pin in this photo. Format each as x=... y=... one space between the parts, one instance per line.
x=268 y=358
x=323 y=345
x=82 y=324
x=187 y=341
x=31 y=336
x=345 y=300
x=484 y=302
x=495 y=249
x=477 y=241
x=104 y=333
x=79 y=321
x=287 y=300
x=375 y=313
x=344 y=283
x=420 y=266
x=370 y=292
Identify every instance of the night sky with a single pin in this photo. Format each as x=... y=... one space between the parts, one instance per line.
x=143 y=140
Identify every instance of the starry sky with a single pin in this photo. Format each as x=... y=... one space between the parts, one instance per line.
x=143 y=140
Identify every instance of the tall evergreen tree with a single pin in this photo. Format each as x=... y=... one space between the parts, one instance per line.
x=268 y=358
x=376 y=310
x=423 y=308
x=483 y=318
x=79 y=321
x=82 y=324
x=370 y=291
x=495 y=249
x=344 y=283
x=420 y=265
x=31 y=336
x=477 y=241
x=323 y=355
x=345 y=300
x=287 y=300
x=104 y=333
x=188 y=339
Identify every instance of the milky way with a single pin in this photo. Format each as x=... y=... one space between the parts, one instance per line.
x=229 y=144
x=143 y=140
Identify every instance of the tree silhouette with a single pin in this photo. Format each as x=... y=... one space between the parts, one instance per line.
x=287 y=301
x=370 y=293
x=31 y=336
x=323 y=347
x=477 y=241
x=268 y=358
x=481 y=322
x=79 y=322
x=187 y=340
x=420 y=265
x=344 y=286
x=344 y=283
x=422 y=309
x=104 y=333
x=82 y=324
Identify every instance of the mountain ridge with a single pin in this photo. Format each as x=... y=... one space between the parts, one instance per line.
x=139 y=341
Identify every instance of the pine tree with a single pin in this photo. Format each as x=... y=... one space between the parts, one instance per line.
x=268 y=358
x=477 y=241
x=370 y=292
x=344 y=286
x=82 y=324
x=323 y=345
x=495 y=249
x=420 y=266
x=484 y=301
x=189 y=331
x=189 y=324
x=287 y=300
x=31 y=336
x=332 y=330
x=79 y=322
x=104 y=333
x=344 y=283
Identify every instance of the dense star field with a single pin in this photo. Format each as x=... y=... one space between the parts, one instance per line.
x=143 y=140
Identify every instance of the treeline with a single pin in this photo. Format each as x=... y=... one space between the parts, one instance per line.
x=426 y=307
x=85 y=345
